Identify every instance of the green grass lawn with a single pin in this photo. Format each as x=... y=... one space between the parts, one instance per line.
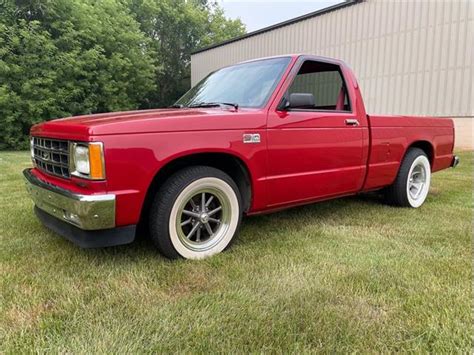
x=345 y=275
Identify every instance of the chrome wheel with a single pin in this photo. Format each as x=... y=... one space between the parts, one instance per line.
x=203 y=219
x=417 y=181
x=412 y=183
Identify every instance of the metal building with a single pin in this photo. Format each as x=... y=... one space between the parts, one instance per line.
x=410 y=57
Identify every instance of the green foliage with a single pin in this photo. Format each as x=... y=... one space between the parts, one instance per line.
x=63 y=57
x=176 y=28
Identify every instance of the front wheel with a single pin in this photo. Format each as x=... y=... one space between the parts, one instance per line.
x=196 y=213
x=412 y=184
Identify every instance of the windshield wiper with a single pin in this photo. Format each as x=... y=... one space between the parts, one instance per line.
x=214 y=104
x=176 y=106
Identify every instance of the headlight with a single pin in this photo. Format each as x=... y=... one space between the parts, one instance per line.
x=88 y=160
x=32 y=151
x=81 y=159
x=32 y=148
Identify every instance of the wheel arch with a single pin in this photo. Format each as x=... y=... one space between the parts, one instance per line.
x=229 y=163
x=425 y=146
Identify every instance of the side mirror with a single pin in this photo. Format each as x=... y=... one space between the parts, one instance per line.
x=300 y=100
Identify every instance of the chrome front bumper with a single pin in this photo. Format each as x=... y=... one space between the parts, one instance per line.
x=88 y=212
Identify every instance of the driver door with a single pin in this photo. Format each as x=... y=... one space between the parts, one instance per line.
x=315 y=152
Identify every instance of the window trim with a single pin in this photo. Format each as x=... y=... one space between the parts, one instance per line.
x=344 y=82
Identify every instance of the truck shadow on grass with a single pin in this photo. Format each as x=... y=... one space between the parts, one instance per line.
x=292 y=220
x=255 y=229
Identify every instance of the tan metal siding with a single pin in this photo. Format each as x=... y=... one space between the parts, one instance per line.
x=410 y=57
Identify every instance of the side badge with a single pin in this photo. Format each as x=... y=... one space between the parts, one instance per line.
x=251 y=138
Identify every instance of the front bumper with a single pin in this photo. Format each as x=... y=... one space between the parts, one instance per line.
x=89 y=212
x=84 y=238
x=87 y=220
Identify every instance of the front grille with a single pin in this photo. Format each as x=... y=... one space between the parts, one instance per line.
x=52 y=156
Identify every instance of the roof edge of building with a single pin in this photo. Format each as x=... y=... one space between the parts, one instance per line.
x=281 y=24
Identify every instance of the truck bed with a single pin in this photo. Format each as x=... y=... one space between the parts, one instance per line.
x=391 y=135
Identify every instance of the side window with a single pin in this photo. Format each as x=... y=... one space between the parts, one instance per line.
x=325 y=83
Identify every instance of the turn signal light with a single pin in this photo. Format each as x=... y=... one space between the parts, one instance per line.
x=96 y=159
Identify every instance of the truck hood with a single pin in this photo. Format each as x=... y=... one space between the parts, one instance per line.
x=147 y=121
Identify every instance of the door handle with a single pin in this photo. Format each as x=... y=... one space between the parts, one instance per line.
x=352 y=122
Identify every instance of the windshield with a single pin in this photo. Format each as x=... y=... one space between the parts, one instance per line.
x=246 y=85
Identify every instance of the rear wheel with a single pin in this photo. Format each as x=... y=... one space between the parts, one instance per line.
x=196 y=213
x=412 y=184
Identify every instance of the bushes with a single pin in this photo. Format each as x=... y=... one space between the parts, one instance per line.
x=65 y=57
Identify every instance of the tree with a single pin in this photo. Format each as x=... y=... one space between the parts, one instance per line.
x=60 y=58
x=177 y=28
x=68 y=57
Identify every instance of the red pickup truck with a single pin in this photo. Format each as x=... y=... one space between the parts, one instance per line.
x=255 y=137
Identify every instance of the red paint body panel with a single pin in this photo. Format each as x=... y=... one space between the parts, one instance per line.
x=302 y=157
x=392 y=135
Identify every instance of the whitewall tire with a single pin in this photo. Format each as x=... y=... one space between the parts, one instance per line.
x=412 y=184
x=196 y=214
x=418 y=184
